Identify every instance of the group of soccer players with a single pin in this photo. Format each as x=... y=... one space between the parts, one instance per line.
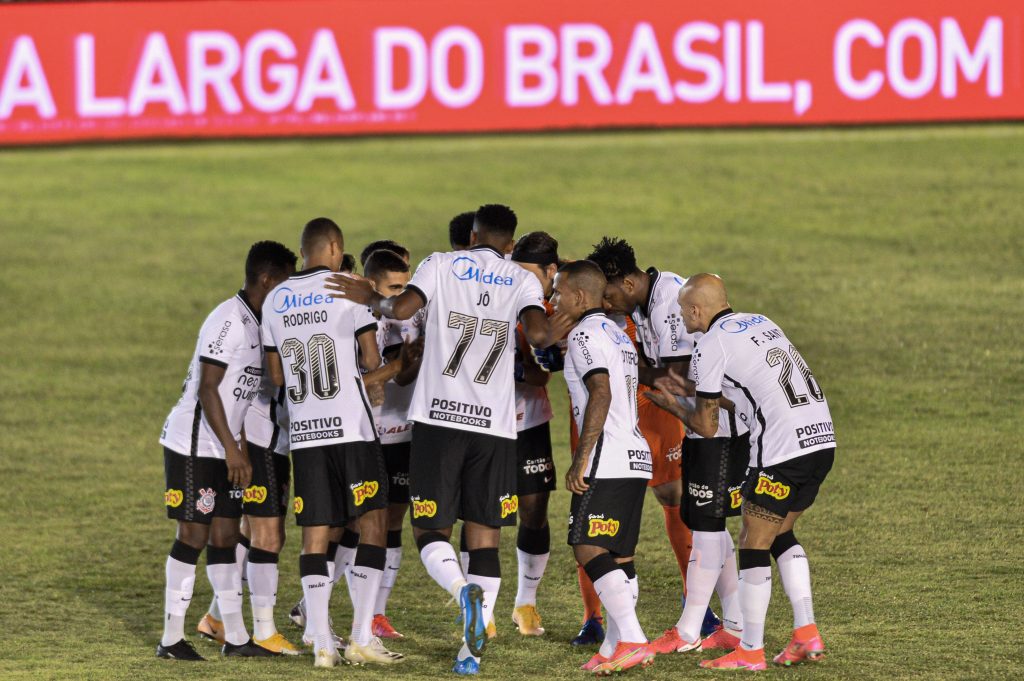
x=393 y=393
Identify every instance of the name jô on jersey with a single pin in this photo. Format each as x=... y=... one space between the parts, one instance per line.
x=465 y=268
x=300 y=318
x=285 y=299
x=460 y=412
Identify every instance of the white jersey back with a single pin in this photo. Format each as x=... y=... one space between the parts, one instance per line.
x=266 y=422
x=474 y=299
x=315 y=335
x=747 y=358
x=729 y=424
x=597 y=345
x=230 y=339
x=393 y=424
x=660 y=332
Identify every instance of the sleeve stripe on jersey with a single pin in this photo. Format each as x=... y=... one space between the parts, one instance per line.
x=532 y=307
x=593 y=372
x=679 y=358
x=709 y=396
x=397 y=347
x=214 y=362
x=418 y=291
x=368 y=327
x=270 y=348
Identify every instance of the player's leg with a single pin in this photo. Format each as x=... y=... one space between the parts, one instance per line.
x=225 y=577
x=535 y=479
x=397 y=459
x=591 y=631
x=211 y=625
x=664 y=435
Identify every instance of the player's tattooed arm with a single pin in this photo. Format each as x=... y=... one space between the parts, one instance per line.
x=702 y=419
x=599 y=399
x=239 y=468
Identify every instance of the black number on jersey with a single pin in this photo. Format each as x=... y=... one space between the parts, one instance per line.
x=777 y=356
x=323 y=365
x=489 y=327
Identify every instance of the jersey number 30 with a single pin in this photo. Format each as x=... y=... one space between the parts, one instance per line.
x=323 y=365
x=488 y=327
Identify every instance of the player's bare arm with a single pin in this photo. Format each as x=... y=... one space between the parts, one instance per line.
x=541 y=330
x=239 y=468
x=533 y=374
x=359 y=290
x=369 y=354
x=410 y=358
x=702 y=419
x=598 y=401
x=273 y=360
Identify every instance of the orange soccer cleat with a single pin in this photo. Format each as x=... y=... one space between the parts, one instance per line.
x=671 y=642
x=805 y=646
x=723 y=639
x=593 y=662
x=626 y=656
x=752 y=660
x=382 y=628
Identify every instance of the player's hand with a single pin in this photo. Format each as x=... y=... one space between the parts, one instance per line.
x=574 y=481
x=674 y=384
x=663 y=399
x=559 y=326
x=412 y=352
x=239 y=468
x=375 y=391
x=549 y=359
x=351 y=287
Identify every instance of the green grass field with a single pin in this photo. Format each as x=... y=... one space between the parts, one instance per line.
x=894 y=258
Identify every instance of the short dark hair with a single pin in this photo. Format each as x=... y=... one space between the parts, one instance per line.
x=539 y=248
x=615 y=258
x=383 y=244
x=381 y=262
x=268 y=257
x=348 y=263
x=585 y=275
x=459 y=229
x=495 y=218
x=319 y=231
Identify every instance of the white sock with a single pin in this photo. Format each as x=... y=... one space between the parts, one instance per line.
x=439 y=559
x=241 y=560
x=616 y=596
x=214 y=610
x=755 y=593
x=490 y=586
x=364 y=581
x=464 y=653
x=347 y=557
x=227 y=587
x=701 y=576
x=317 y=591
x=387 y=582
x=464 y=561
x=728 y=587
x=611 y=637
x=263 y=578
x=796 y=580
x=180 y=582
x=531 y=570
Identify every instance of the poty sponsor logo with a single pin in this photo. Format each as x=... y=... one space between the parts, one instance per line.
x=254 y=494
x=735 y=499
x=363 y=491
x=509 y=505
x=465 y=268
x=772 y=489
x=298 y=505
x=173 y=498
x=741 y=325
x=285 y=299
x=599 y=526
x=426 y=508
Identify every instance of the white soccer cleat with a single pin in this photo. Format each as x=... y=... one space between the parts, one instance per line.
x=373 y=652
x=326 y=657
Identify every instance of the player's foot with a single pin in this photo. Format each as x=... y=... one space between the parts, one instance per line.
x=279 y=644
x=382 y=628
x=373 y=652
x=723 y=639
x=212 y=628
x=672 y=642
x=247 y=649
x=591 y=633
x=626 y=656
x=711 y=623
x=492 y=631
x=339 y=642
x=474 y=630
x=182 y=650
x=739 y=659
x=590 y=664
x=298 y=614
x=527 y=619
x=805 y=646
x=325 y=657
x=466 y=667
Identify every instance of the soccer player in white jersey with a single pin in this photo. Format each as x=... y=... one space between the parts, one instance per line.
x=206 y=467
x=463 y=441
x=747 y=360
x=337 y=463
x=389 y=273
x=610 y=465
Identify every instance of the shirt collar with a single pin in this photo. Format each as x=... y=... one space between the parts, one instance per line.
x=245 y=301
x=652 y=274
x=311 y=270
x=492 y=249
x=591 y=312
x=726 y=311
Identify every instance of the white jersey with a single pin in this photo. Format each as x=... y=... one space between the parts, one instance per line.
x=747 y=358
x=660 y=332
x=597 y=345
x=315 y=335
x=266 y=422
x=474 y=299
x=392 y=417
x=729 y=424
x=230 y=339
x=533 y=407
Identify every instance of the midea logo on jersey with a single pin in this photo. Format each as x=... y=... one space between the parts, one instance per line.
x=466 y=269
x=741 y=325
x=285 y=300
x=615 y=334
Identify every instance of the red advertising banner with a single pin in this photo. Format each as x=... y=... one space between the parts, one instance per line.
x=222 y=68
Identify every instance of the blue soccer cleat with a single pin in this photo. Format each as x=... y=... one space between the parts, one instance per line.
x=466 y=667
x=474 y=629
x=711 y=623
x=591 y=633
